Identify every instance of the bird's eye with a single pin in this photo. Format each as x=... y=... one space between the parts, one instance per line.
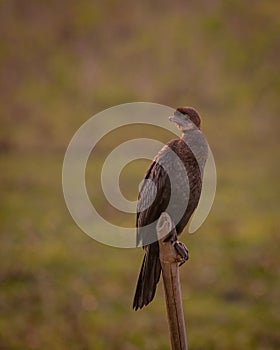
x=177 y=113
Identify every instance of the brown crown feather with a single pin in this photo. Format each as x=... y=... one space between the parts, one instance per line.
x=192 y=114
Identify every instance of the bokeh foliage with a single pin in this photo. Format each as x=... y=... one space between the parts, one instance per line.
x=63 y=61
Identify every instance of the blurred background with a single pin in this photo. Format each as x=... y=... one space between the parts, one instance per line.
x=64 y=61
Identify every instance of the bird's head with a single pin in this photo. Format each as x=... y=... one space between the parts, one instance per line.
x=186 y=118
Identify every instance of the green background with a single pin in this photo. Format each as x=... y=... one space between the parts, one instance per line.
x=62 y=62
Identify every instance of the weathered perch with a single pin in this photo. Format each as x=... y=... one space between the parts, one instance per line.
x=170 y=260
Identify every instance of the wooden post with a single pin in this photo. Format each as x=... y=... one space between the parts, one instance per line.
x=172 y=288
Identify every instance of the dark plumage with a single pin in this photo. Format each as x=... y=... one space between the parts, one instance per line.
x=155 y=197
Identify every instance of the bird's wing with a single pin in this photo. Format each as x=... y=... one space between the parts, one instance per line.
x=151 y=198
x=147 y=192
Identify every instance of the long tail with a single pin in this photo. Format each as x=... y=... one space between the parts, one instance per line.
x=148 y=277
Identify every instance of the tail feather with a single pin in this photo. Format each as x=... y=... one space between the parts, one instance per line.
x=148 y=277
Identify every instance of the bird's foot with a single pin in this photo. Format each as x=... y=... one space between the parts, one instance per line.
x=182 y=251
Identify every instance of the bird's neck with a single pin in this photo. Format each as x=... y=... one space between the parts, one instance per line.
x=191 y=135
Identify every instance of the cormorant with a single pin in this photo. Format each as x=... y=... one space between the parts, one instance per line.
x=155 y=195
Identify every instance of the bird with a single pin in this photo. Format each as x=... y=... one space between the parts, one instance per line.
x=184 y=159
